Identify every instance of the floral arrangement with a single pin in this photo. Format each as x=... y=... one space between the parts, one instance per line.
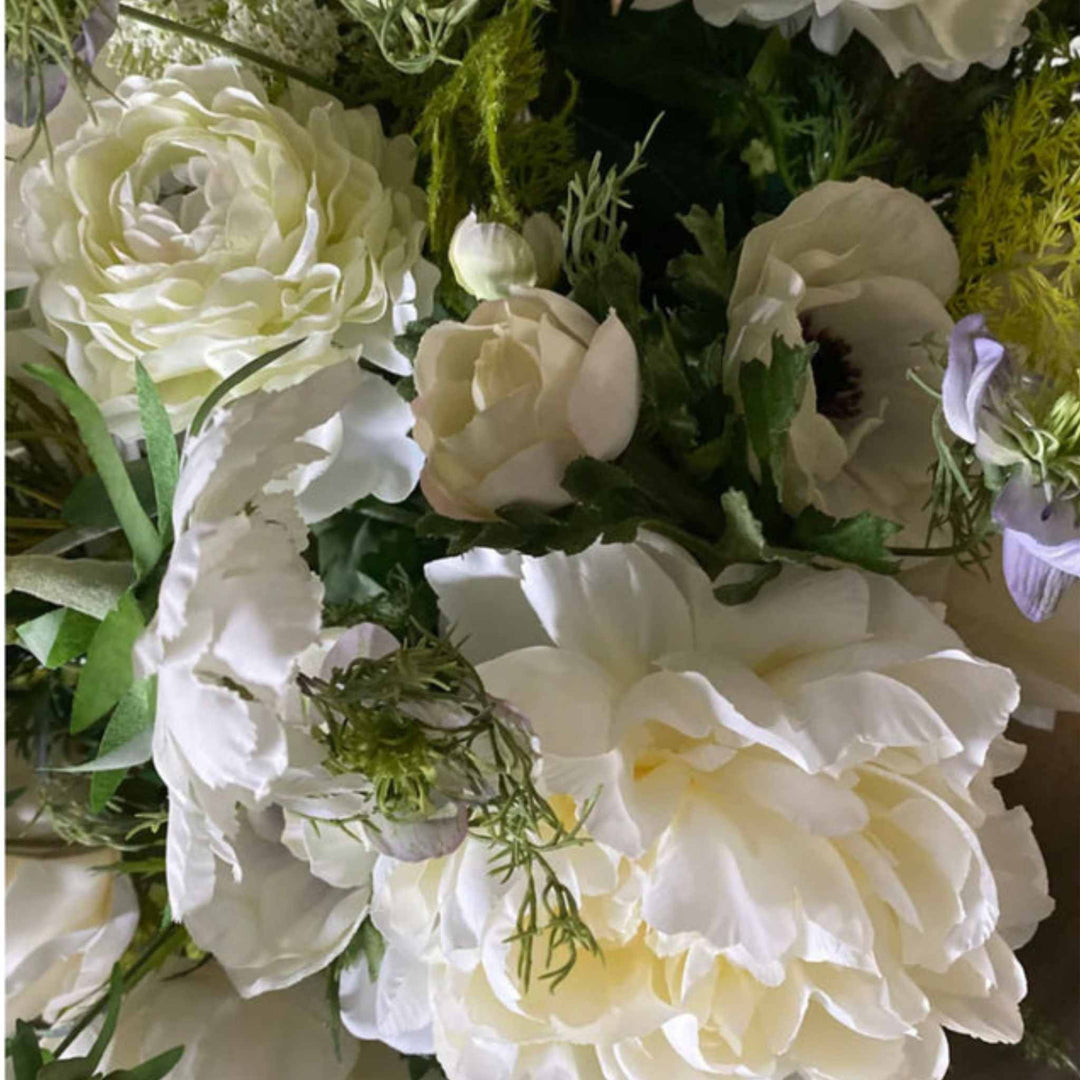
x=528 y=526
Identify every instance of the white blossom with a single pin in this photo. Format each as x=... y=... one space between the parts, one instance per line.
x=799 y=860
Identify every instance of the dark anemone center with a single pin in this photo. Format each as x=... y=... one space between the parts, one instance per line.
x=836 y=378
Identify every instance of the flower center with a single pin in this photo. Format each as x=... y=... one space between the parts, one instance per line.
x=836 y=378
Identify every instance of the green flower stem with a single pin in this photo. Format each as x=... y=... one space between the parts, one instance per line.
x=288 y=70
x=162 y=942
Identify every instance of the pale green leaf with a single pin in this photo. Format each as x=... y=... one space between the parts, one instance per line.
x=92 y=586
x=108 y=672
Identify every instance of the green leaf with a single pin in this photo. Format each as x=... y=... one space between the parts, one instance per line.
x=112 y=1014
x=371 y=946
x=24 y=1051
x=160 y=448
x=860 y=540
x=234 y=380
x=743 y=539
x=108 y=672
x=747 y=583
x=771 y=396
x=142 y=536
x=92 y=586
x=89 y=505
x=58 y=636
x=154 y=1069
x=78 y=1068
x=133 y=717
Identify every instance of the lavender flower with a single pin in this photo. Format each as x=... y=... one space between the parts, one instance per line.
x=1041 y=546
x=35 y=83
x=1038 y=508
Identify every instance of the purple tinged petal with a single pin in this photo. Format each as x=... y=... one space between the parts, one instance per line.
x=97 y=28
x=22 y=96
x=1048 y=528
x=974 y=359
x=415 y=841
x=1036 y=586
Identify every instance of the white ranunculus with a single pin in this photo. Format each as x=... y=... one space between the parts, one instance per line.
x=225 y=1037
x=945 y=36
x=507 y=399
x=66 y=923
x=864 y=270
x=239 y=615
x=490 y=260
x=195 y=226
x=800 y=862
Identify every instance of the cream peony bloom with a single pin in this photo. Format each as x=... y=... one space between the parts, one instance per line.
x=281 y=1035
x=800 y=862
x=490 y=260
x=195 y=226
x=239 y=615
x=66 y=923
x=864 y=270
x=945 y=36
x=507 y=399
x=1045 y=656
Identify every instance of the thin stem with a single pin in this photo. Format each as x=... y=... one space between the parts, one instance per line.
x=161 y=940
x=205 y=36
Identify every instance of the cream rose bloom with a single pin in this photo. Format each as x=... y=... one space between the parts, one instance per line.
x=225 y=1037
x=800 y=862
x=507 y=399
x=864 y=270
x=66 y=923
x=239 y=615
x=194 y=226
x=945 y=36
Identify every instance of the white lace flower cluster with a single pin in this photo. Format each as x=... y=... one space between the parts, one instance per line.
x=945 y=36
x=800 y=862
x=194 y=226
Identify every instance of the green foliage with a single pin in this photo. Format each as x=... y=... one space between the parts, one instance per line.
x=107 y=673
x=146 y=544
x=161 y=452
x=89 y=503
x=771 y=396
x=703 y=281
x=58 y=636
x=1045 y=1044
x=133 y=717
x=486 y=150
x=420 y=727
x=1018 y=224
x=413 y=35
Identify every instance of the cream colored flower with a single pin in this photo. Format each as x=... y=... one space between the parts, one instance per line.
x=225 y=1037
x=864 y=270
x=195 y=226
x=799 y=861
x=67 y=921
x=490 y=260
x=945 y=36
x=507 y=399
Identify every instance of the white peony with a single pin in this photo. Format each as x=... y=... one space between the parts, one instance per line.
x=1045 y=656
x=67 y=920
x=509 y=398
x=945 y=36
x=490 y=260
x=239 y=615
x=225 y=1037
x=800 y=862
x=864 y=270
x=195 y=226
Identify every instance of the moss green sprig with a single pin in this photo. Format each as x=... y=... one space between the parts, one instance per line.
x=420 y=727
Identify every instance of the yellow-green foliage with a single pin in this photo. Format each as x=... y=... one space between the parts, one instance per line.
x=1018 y=224
x=486 y=150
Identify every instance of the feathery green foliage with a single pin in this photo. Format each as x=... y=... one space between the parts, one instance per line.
x=486 y=151
x=1018 y=224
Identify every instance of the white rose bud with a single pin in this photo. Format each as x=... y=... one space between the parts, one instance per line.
x=489 y=259
x=509 y=398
